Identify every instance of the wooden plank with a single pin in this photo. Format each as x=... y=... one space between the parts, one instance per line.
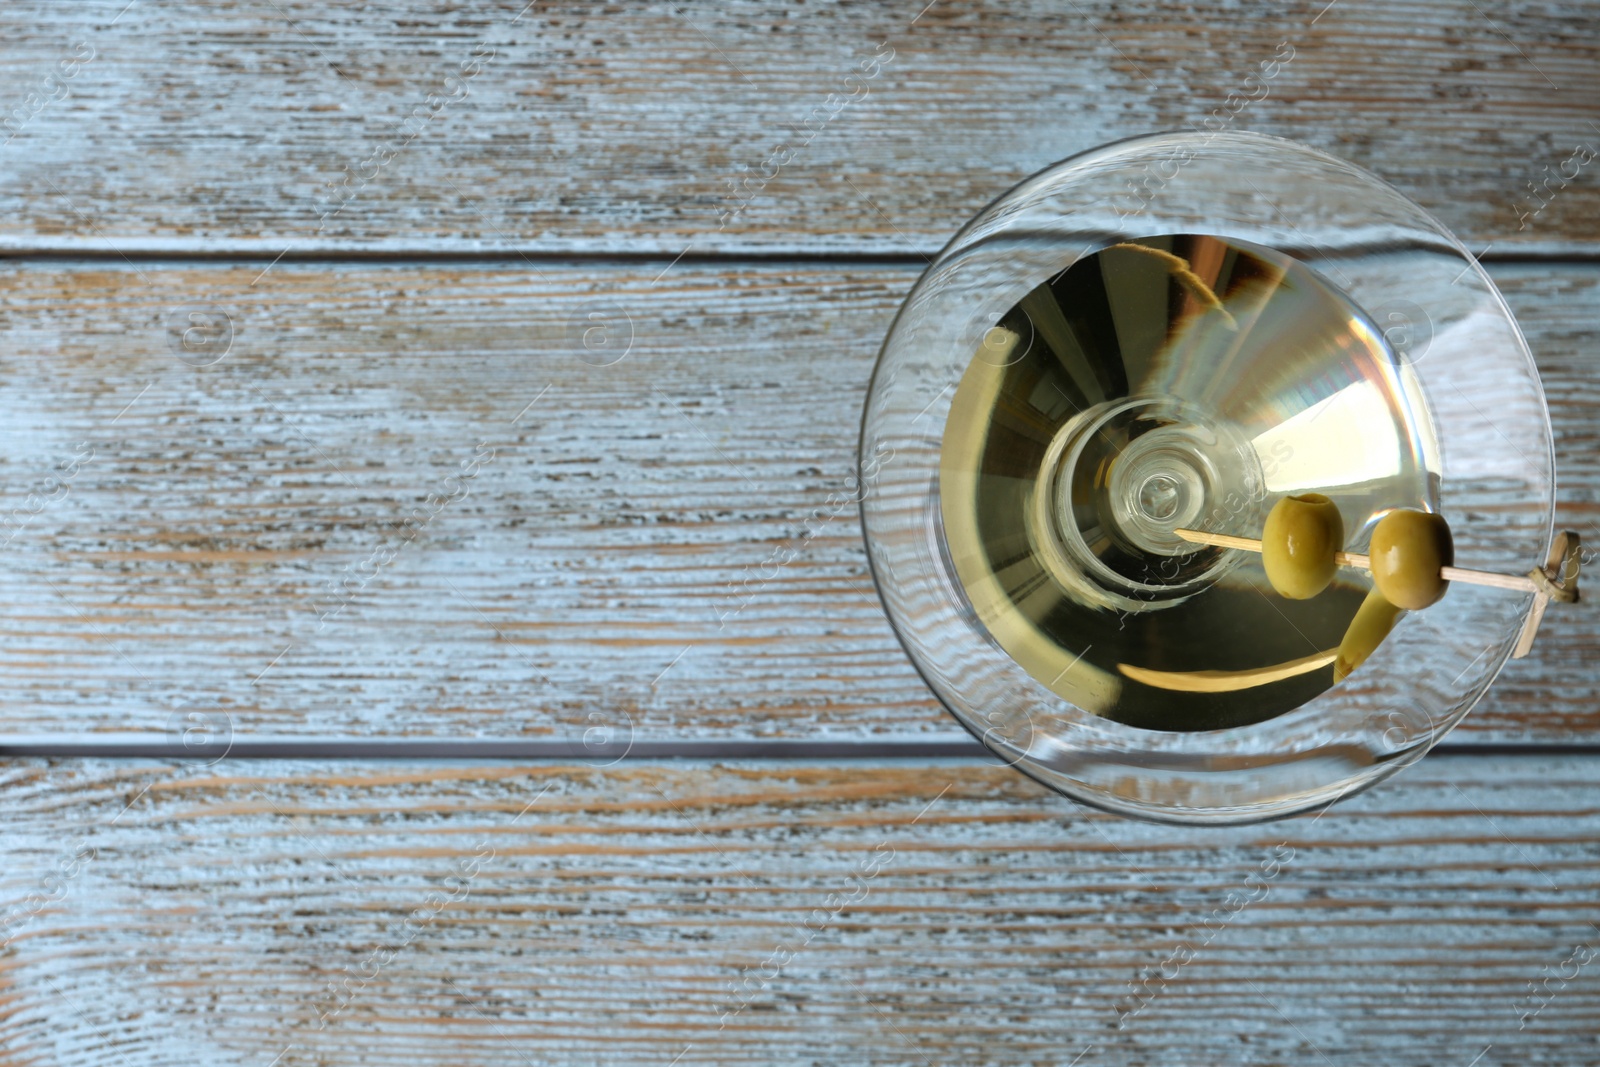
x=606 y=561
x=919 y=913
x=663 y=547
x=877 y=127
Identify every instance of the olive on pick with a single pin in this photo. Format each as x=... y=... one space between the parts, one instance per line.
x=1408 y=548
x=1372 y=623
x=1298 y=543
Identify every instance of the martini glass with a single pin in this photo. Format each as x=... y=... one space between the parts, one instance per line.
x=1168 y=333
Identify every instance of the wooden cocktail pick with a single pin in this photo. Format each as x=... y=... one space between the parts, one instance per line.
x=1556 y=580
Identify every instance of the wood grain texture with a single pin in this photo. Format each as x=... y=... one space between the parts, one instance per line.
x=663 y=547
x=231 y=915
x=192 y=126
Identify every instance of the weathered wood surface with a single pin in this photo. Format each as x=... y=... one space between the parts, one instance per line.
x=579 y=127
x=665 y=546
x=173 y=527
x=380 y=913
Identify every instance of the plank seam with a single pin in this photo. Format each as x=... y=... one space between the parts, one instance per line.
x=535 y=750
x=513 y=257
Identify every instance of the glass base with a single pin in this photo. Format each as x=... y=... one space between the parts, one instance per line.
x=1115 y=483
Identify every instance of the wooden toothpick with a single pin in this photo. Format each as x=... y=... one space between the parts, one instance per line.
x=1356 y=559
x=1556 y=580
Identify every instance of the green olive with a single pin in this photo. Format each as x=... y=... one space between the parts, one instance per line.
x=1408 y=548
x=1374 y=619
x=1298 y=545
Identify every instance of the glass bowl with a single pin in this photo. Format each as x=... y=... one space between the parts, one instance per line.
x=1449 y=348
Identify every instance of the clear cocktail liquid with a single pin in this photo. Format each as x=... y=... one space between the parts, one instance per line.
x=1180 y=382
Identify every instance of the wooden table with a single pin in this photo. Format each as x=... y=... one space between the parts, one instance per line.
x=400 y=399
